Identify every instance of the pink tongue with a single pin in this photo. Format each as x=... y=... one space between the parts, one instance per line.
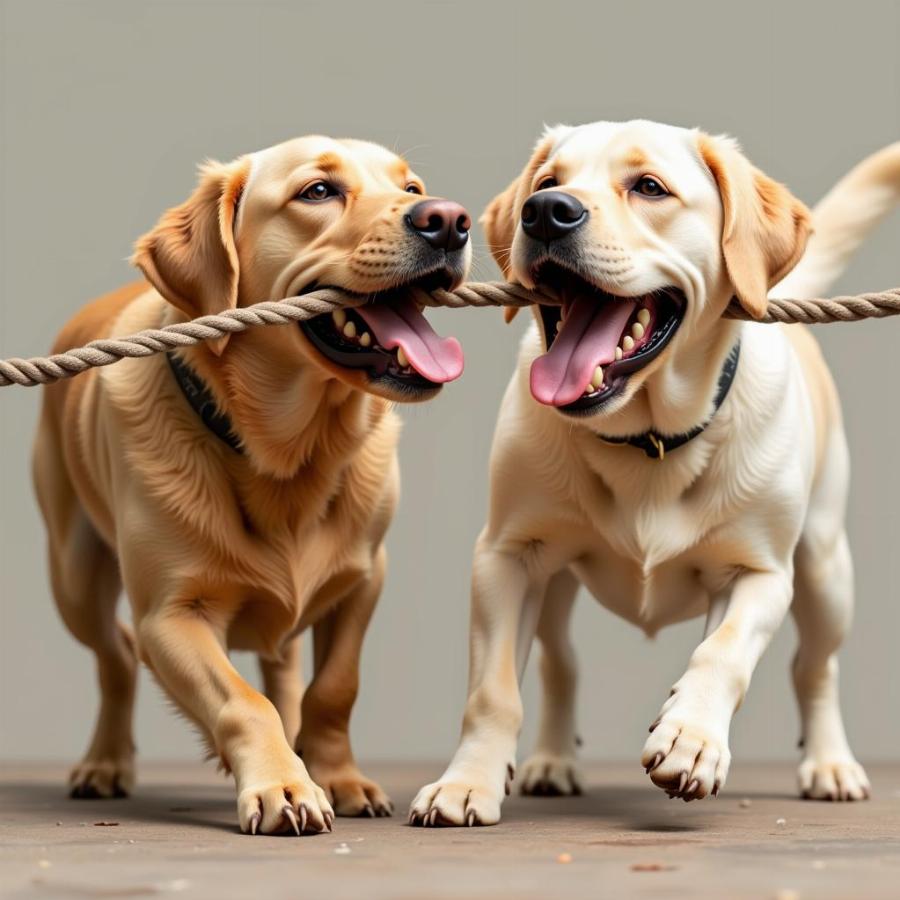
x=400 y=324
x=587 y=339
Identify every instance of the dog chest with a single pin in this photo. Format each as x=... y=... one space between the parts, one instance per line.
x=650 y=598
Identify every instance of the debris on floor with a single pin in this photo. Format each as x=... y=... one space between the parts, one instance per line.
x=618 y=840
x=653 y=867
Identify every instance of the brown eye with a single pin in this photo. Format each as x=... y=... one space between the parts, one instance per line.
x=647 y=186
x=547 y=182
x=413 y=189
x=318 y=191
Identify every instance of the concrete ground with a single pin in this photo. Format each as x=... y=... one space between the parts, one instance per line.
x=624 y=838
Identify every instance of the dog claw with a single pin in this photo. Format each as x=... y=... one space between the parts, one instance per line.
x=368 y=811
x=433 y=817
x=292 y=818
x=471 y=818
x=254 y=822
x=653 y=763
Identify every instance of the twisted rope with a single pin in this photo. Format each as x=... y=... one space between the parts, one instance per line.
x=47 y=369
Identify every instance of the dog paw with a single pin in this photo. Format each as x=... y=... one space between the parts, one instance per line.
x=292 y=803
x=550 y=775
x=351 y=793
x=102 y=777
x=467 y=800
x=686 y=759
x=833 y=778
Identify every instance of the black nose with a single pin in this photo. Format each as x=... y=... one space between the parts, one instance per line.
x=548 y=215
x=443 y=223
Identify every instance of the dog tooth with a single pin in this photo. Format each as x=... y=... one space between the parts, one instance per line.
x=350 y=330
x=365 y=339
x=618 y=352
x=558 y=325
x=402 y=359
x=644 y=317
x=339 y=317
x=597 y=380
x=637 y=330
x=627 y=342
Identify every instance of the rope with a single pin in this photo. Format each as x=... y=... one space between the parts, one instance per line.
x=47 y=369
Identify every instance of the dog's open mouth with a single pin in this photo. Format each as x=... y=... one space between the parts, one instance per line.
x=595 y=340
x=390 y=338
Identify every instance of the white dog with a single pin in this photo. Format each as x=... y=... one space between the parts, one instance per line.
x=674 y=462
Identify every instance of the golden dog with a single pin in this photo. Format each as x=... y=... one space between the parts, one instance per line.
x=262 y=510
x=674 y=462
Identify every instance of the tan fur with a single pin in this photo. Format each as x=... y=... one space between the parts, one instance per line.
x=741 y=524
x=217 y=549
x=765 y=228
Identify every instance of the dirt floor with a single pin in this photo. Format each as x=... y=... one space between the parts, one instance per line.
x=177 y=835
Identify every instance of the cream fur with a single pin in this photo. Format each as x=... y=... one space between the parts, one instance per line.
x=740 y=525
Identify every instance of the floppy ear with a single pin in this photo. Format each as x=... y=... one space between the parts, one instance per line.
x=500 y=218
x=764 y=227
x=190 y=256
x=499 y=225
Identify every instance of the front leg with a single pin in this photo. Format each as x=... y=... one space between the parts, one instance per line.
x=183 y=643
x=324 y=739
x=687 y=752
x=505 y=608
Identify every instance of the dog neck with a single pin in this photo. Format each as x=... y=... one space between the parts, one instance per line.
x=285 y=411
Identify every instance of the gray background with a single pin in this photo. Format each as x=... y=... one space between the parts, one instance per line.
x=108 y=106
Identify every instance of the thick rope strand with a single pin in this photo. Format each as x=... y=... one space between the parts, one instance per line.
x=822 y=312
x=47 y=369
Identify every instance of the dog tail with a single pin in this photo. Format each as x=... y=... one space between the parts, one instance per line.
x=842 y=220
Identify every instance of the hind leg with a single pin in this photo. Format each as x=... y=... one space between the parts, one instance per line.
x=85 y=581
x=86 y=586
x=822 y=609
x=552 y=769
x=283 y=685
x=324 y=739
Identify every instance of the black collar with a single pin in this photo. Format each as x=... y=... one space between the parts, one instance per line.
x=203 y=402
x=656 y=446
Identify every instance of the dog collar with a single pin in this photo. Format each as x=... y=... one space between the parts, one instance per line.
x=203 y=402
x=657 y=445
